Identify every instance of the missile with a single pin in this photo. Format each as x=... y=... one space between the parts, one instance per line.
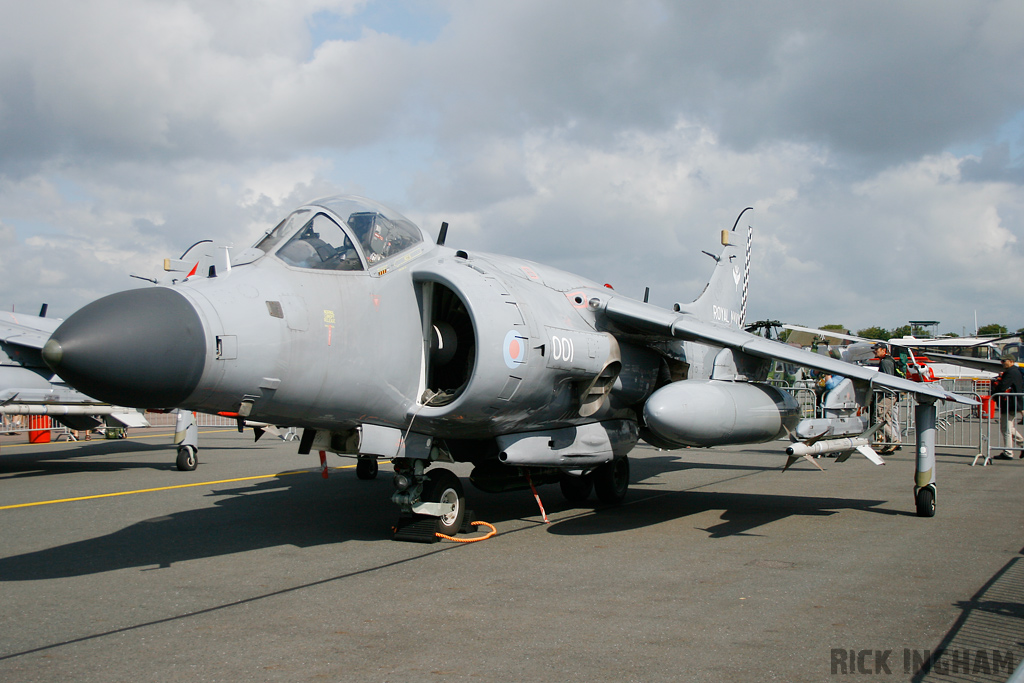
x=826 y=446
x=844 y=446
x=58 y=409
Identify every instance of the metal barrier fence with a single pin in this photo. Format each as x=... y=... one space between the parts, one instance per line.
x=958 y=426
x=43 y=429
x=35 y=424
x=981 y=427
x=202 y=420
x=1000 y=434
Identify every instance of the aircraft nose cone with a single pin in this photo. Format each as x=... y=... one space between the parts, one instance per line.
x=143 y=348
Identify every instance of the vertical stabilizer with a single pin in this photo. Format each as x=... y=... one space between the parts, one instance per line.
x=724 y=299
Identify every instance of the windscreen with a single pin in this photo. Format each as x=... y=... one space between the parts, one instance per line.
x=283 y=229
x=321 y=244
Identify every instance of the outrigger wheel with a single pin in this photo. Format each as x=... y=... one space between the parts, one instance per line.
x=187 y=458
x=925 y=499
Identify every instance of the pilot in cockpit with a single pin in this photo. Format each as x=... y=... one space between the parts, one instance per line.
x=371 y=231
x=314 y=247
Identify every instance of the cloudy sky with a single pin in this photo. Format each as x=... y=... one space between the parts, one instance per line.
x=880 y=143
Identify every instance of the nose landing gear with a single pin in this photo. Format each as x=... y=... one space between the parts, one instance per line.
x=432 y=502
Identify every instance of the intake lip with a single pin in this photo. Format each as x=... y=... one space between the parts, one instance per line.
x=143 y=348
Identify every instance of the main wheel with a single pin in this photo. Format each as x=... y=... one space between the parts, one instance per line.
x=442 y=486
x=187 y=458
x=925 y=500
x=366 y=468
x=575 y=488
x=611 y=481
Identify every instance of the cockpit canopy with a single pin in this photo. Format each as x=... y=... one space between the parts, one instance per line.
x=341 y=233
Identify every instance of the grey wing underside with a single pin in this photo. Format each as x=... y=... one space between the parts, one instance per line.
x=975 y=363
x=658 y=321
x=26 y=330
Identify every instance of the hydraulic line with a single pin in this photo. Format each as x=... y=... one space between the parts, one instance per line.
x=490 y=533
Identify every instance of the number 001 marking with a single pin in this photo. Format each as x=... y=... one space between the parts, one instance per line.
x=562 y=348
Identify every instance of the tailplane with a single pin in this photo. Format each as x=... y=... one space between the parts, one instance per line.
x=724 y=299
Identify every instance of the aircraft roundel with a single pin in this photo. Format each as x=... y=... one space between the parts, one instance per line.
x=514 y=349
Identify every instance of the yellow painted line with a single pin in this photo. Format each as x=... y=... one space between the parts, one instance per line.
x=162 y=488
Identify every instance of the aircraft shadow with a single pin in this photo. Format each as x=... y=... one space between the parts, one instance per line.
x=70 y=459
x=741 y=513
x=298 y=509
x=301 y=509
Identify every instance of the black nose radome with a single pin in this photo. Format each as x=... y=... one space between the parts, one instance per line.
x=143 y=348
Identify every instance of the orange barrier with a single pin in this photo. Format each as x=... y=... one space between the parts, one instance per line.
x=988 y=407
x=39 y=429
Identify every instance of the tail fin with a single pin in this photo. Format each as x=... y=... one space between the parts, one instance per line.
x=724 y=299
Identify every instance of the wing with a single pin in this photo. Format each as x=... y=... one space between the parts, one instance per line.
x=976 y=363
x=927 y=352
x=26 y=330
x=658 y=321
x=827 y=333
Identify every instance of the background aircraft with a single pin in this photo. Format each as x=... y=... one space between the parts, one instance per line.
x=959 y=357
x=28 y=387
x=347 y=321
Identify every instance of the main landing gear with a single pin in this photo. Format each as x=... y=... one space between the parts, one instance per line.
x=609 y=481
x=186 y=435
x=366 y=467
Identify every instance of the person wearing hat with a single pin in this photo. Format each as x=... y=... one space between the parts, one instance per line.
x=1010 y=383
x=886 y=363
x=886 y=406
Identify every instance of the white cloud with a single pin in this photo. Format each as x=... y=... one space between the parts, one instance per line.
x=277 y=182
x=607 y=138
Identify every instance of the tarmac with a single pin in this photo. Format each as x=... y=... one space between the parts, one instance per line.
x=114 y=566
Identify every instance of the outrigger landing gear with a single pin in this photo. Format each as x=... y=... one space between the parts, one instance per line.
x=924 y=479
x=925 y=499
x=186 y=435
x=188 y=458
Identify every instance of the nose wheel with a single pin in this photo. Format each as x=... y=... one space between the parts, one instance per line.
x=442 y=486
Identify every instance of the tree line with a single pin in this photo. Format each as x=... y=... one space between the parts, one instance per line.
x=990 y=330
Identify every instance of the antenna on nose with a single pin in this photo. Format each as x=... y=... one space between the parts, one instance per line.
x=443 y=235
